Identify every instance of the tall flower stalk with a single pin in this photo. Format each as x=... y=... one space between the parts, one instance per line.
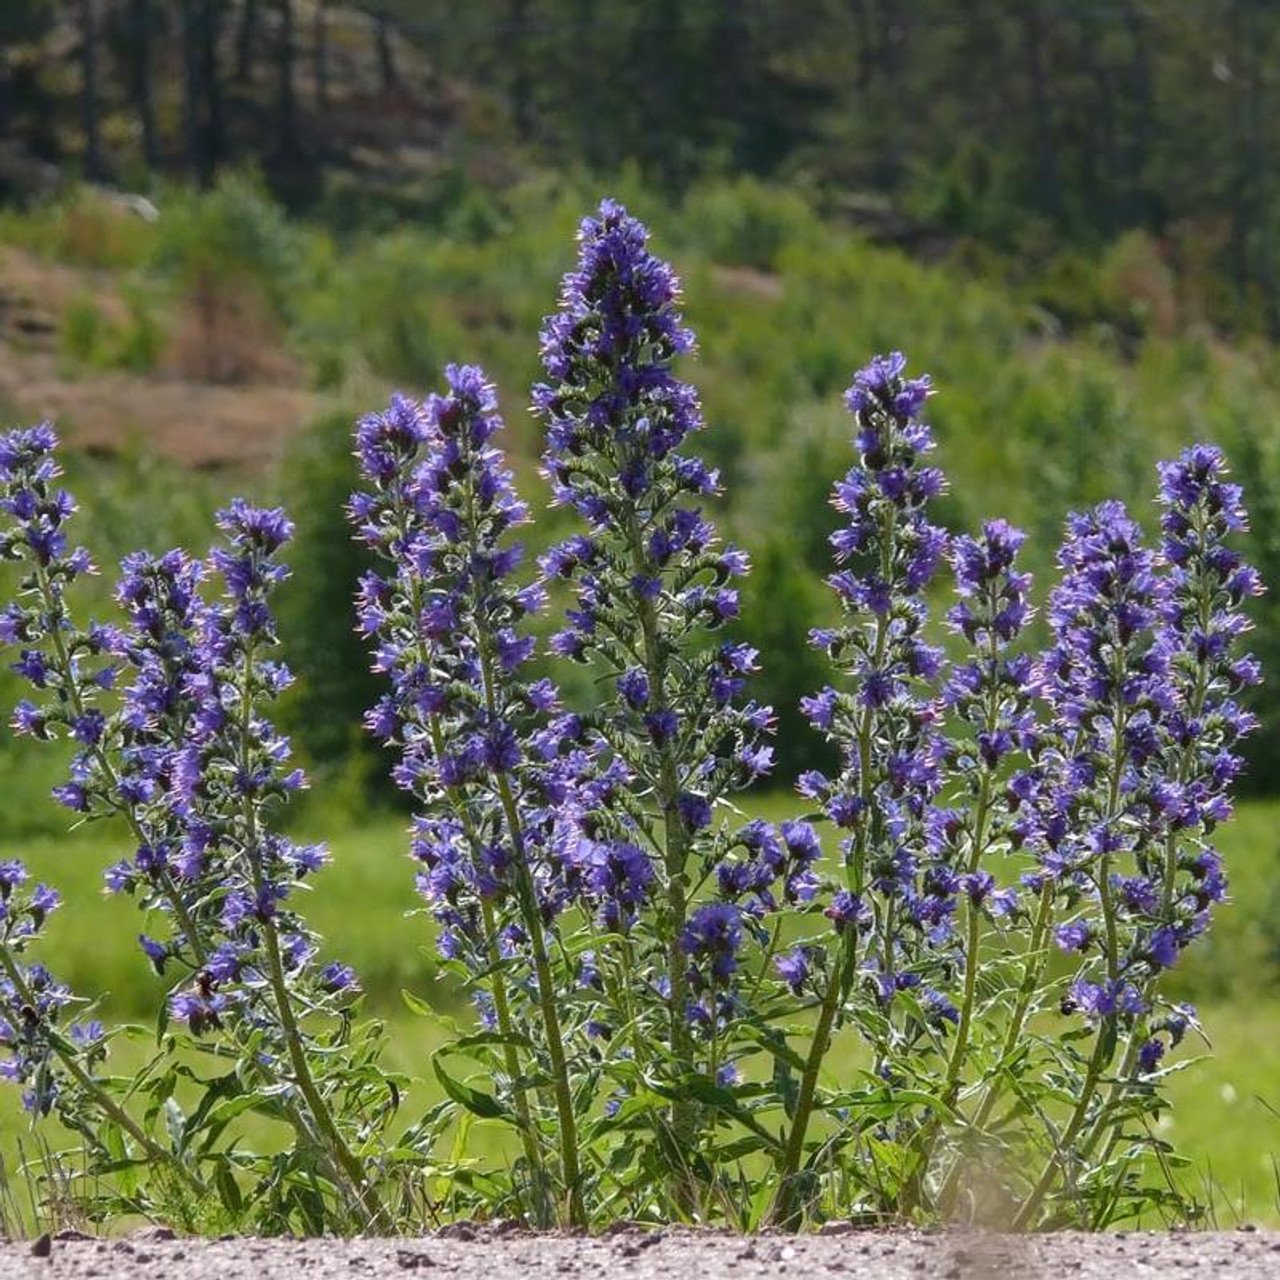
x=988 y=702
x=652 y=580
x=884 y=723
x=233 y=771
x=483 y=748
x=1180 y=874
x=1106 y=681
x=989 y=696
x=52 y=1056
x=186 y=758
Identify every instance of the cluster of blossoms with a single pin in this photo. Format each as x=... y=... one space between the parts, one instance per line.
x=885 y=720
x=989 y=696
x=1201 y=619
x=229 y=766
x=167 y=712
x=1106 y=684
x=1142 y=680
x=65 y=666
x=495 y=764
x=31 y=1001
x=473 y=727
x=629 y=949
x=652 y=580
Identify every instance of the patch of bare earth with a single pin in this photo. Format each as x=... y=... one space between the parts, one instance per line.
x=193 y=423
x=196 y=424
x=237 y=415
x=507 y=1253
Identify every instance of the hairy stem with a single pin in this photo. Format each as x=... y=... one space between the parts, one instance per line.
x=1104 y=1044
x=345 y=1163
x=1032 y=972
x=101 y=1098
x=506 y=1028
x=676 y=844
x=786 y=1209
x=527 y=900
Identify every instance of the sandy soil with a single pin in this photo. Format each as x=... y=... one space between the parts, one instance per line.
x=492 y=1253
x=175 y=412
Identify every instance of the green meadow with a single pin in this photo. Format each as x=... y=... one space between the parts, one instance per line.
x=1034 y=417
x=1226 y=1107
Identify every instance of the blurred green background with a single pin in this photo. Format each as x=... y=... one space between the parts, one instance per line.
x=228 y=227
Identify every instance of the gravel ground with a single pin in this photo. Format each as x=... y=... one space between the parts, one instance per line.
x=492 y=1253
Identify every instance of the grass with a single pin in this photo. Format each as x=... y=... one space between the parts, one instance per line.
x=1226 y=1114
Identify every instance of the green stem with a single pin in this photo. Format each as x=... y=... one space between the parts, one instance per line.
x=527 y=900
x=108 y=1104
x=676 y=852
x=982 y=812
x=550 y=1014
x=1138 y=1033
x=638 y=1046
x=1053 y=1167
x=1103 y=1047
x=959 y=1050
x=785 y=1209
x=783 y=1212
x=344 y=1161
x=501 y=1005
x=506 y=1027
x=1036 y=956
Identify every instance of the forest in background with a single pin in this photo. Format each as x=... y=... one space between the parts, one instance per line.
x=1066 y=212
x=1024 y=137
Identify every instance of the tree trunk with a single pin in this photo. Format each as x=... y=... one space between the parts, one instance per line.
x=1142 y=199
x=893 y=37
x=320 y=51
x=89 y=105
x=1102 y=182
x=582 y=70
x=1255 y=206
x=862 y=35
x=193 y=96
x=246 y=40
x=518 y=59
x=386 y=54
x=215 y=131
x=142 y=81
x=1242 y=179
x=1045 y=164
x=286 y=102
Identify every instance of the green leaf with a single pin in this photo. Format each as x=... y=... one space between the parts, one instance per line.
x=1110 y=1031
x=175 y=1122
x=739 y=1149
x=776 y=1043
x=713 y=1095
x=415 y=1004
x=484 y=1039
x=216 y=1090
x=481 y=1104
x=228 y=1188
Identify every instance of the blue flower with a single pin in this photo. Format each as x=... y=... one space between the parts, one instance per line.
x=712 y=937
x=794 y=968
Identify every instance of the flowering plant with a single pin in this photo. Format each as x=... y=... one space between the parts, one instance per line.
x=952 y=964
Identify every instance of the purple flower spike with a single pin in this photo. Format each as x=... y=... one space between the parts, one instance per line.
x=653 y=582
